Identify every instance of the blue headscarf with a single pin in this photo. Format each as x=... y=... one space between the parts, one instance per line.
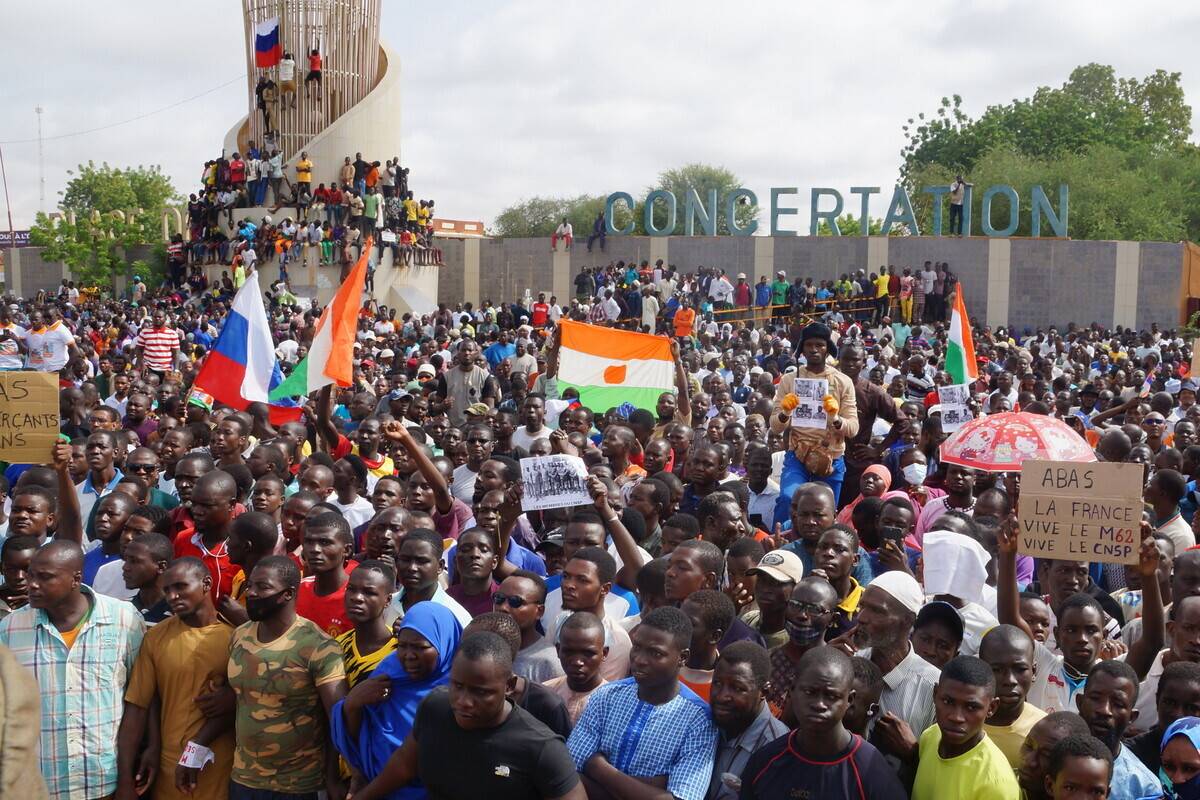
x=1189 y=727
x=385 y=725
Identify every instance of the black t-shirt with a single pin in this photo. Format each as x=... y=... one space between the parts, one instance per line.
x=778 y=772
x=547 y=708
x=520 y=759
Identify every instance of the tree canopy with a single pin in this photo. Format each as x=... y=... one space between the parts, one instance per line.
x=114 y=209
x=539 y=216
x=1120 y=144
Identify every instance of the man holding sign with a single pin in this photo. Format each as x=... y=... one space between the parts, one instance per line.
x=1078 y=621
x=814 y=453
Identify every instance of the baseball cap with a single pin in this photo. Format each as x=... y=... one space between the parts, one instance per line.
x=387 y=353
x=478 y=409
x=426 y=370
x=943 y=612
x=550 y=542
x=782 y=565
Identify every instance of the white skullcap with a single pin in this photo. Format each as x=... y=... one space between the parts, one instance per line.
x=903 y=587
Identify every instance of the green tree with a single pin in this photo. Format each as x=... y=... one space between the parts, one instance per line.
x=850 y=225
x=1093 y=107
x=1121 y=144
x=106 y=211
x=703 y=178
x=539 y=216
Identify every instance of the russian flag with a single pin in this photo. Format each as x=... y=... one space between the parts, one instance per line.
x=267 y=49
x=241 y=368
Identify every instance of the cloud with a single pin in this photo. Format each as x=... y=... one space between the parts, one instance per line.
x=503 y=101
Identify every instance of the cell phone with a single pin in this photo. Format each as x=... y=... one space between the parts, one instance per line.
x=894 y=534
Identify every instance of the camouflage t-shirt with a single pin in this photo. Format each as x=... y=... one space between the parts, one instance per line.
x=280 y=725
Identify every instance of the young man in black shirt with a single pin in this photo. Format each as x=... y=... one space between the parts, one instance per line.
x=820 y=758
x=544 y=705
x=499 y=751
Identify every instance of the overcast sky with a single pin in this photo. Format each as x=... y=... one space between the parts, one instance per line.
x=507 y=100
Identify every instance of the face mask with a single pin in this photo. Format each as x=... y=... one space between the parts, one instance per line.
x=914 y=474
x=1180 y=791
x=802 y=635
x=259 y=608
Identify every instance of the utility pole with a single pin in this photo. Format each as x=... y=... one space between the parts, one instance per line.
x=41 y=164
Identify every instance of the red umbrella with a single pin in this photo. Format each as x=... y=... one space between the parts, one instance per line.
x=1001 y=442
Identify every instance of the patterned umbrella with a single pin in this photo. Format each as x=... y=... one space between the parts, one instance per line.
x=1001 y=442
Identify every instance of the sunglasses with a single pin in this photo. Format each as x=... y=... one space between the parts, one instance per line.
x=513 y=601
x=140 y=467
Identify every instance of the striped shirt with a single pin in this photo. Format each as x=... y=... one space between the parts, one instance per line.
x=157 y=345
x=643 y=741
x=908 y=690
x=82 y=690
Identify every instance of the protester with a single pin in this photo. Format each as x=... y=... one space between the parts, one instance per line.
x=694 y=533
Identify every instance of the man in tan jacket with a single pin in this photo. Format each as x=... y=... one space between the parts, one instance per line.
x=839 y=405
x=20 y=710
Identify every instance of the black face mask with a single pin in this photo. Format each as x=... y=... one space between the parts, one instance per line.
x=260 y=608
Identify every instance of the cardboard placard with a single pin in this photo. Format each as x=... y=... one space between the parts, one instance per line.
x=28 y=416
x=1081 y=512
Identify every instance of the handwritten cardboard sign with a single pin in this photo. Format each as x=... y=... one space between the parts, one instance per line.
x=1081 y=512
x=28 y=416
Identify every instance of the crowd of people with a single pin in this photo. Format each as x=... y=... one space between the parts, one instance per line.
x=901 y=295
x=198 y=601
x=364 y=199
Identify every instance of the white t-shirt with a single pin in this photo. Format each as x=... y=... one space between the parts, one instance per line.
x=287 y=69
x=48 y=349
x=356 y=513
x=523 y=439
x=10 y=356
x=110 y=581
x=463 y=486
x=927 y=279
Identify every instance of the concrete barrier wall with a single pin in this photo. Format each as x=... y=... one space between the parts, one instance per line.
x=1018 y=282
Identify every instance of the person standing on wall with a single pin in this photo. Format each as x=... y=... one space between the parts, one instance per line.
x=958 y=191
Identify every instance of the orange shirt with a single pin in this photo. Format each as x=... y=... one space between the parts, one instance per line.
x=685 y=318
x=372 y=177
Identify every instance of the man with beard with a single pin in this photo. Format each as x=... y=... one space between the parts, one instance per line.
x=181 y=658
x=743 y=720
x=1108 y=705
x=286 y=675
x=887 y=612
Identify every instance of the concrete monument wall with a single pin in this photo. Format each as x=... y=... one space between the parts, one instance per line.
x=1018 y=282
